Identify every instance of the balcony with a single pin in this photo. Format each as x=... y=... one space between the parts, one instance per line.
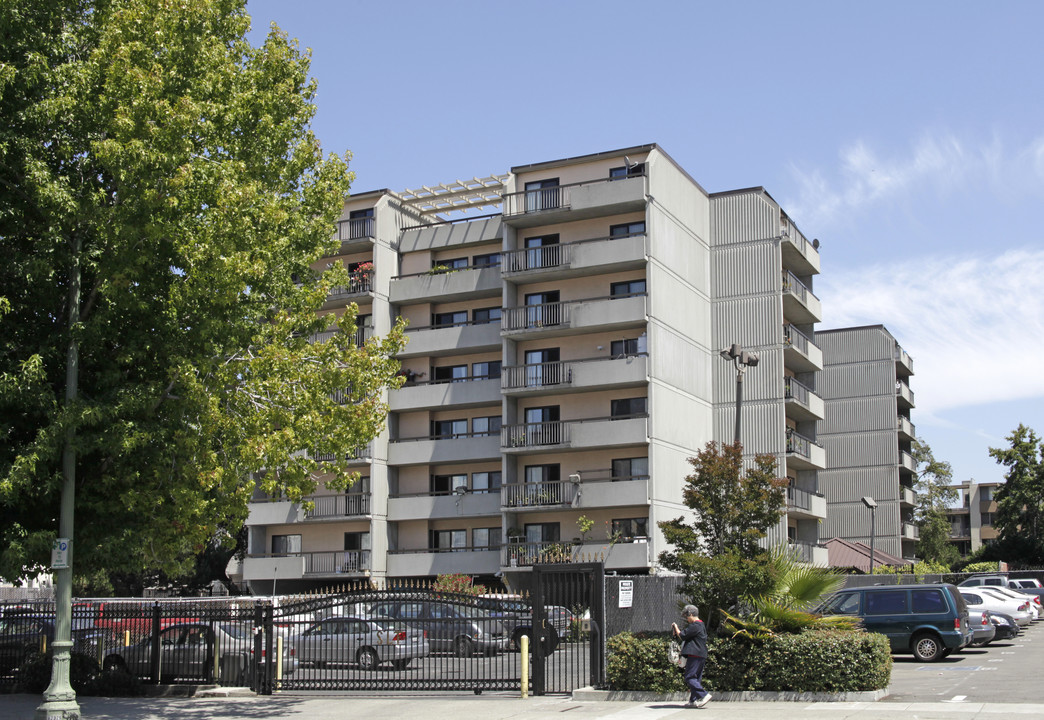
x=906 y=463
x=460 y=393
x=355 y=234
x=575 y=259
x=432 y=340
x=338 y=507
x=591 y=433
x=804 y=453
x=578 y=201
x=450 y=505
x=362 y=334
x=810 y=553
x=273 y=512
x=575 y=376
x=910 y=531
x=798 y=253
x=907 y=431
x=449 y=286
x=802 y=403
x=359 y=455
x=567 y=318
x=907 y=497
x=904 y=396
x=799 y=352
x=799 y=304
x=359 y=285
x=332 y=563
x=805 y=505
x=465 y=561
x=539 y=495
x=903 y=362
x=466 y=447
x=625 y=555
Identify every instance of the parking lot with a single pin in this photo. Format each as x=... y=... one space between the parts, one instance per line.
x=1002 y=672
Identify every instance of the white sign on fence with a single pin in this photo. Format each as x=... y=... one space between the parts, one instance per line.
x=626 y=593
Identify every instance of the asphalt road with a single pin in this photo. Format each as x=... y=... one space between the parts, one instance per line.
x=1001 y=672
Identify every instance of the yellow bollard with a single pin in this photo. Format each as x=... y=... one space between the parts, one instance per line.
x=279 y=662
x=523 y=651
x=126 y=638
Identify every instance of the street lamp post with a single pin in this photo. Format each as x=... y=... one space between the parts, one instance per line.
x=742 y=360
x=872 y=504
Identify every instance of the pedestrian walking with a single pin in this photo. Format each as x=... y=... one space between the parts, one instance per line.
x=694 y=649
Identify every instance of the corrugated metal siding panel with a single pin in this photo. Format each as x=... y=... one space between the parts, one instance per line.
x=865 y=379
x=741 y=218
x=859 y=414
x=851 y=484
x=763 y=382
x=740 y=270
x=855 y=346
x=861 y=449
x=752 y=321
x=761 y=431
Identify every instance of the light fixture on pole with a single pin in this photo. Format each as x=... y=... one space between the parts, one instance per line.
x=872 y=504
x=742 y=360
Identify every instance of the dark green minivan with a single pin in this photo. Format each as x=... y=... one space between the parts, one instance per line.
x=931 y=621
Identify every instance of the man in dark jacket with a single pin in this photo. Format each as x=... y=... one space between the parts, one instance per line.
x=694 y=648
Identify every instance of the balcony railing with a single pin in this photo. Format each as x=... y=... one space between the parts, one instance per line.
x=356 y=229
x=360 y=283
x=798 y=444
x=533 y=434
x=535 y=316
x=795 y=338
x=362 y=334
x=903 y=391
x=545 y=374
x=903 y=357
x=333 y=506
x=538 y=258
x=539 y=494
x=804 y=551
x=794 y=389
x=794 y=286
x=550 y=198
x=800 y=499
x=358 y=453
x=523 y=554
x=331 y=562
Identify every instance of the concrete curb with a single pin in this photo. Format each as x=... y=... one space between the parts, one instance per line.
x=590 y=694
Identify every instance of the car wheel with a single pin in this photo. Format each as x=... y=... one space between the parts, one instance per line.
x=927 y=647
x=114 y=662
x=401 y=664
x=464 y=647
x=368 y=659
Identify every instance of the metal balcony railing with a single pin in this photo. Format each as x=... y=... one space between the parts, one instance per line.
x=534 y=375
x=523 y=554
x=356 y=229
x=800 y=499
x=901 y=356
x=539 y=494
x=531 y=317
x=330 y=562
x=794 y=389
x=358 y=453
x=360 y=283
x=538 y=258
x=332 y=506
x=794 y=286
x=534 y=434
x=796 y=339
x=798 y=444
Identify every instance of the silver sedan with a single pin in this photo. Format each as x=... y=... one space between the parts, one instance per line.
x=365 y=642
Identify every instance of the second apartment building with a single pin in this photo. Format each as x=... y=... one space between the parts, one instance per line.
x=562 y=365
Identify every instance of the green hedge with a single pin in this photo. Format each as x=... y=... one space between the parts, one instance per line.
x=815 y=661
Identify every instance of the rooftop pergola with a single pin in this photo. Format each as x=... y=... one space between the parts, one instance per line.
x=458 y=196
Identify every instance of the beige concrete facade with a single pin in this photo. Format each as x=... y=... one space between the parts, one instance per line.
x=972 y=520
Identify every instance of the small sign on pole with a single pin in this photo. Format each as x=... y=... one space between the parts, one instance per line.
x=60 y=554
x=626 y=593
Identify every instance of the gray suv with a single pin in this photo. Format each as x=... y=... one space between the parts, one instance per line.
x=451 y=627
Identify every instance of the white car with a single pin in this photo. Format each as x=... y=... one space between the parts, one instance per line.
x=979 y=599
x=1033 y=600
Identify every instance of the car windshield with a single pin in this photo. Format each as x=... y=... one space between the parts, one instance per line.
x=239 y=632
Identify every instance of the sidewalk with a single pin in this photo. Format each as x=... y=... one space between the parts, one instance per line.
x=495 y=706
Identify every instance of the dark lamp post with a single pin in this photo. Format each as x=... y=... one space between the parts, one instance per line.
x=872 y=504
x=742 y=360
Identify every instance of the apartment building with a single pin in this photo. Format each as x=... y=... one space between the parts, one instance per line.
x=868 y=438
x=562 y=365
x=972 y=520
x=762 y=281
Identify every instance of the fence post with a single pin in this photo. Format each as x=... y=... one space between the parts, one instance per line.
x=155 y=668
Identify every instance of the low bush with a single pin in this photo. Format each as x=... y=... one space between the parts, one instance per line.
x=35 y=673
x=115 y=682
x=813 y=661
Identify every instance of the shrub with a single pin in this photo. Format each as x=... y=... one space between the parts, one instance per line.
x=815 y=661
x=640 y=662
x=115 y=682
x=35 y=674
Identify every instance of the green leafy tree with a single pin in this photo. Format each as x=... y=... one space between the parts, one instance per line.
x=719 y=551
x=1020 y=500
x=164 y=208
x=934 y=495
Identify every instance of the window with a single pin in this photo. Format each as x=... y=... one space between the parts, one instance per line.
x=985 y=494
x=487 y=260
x=542 y=532
x=625 y=171
x=629 y=528
x=542 y=195
x=446 y=429
x=630 y=468
x=485 y=426
x=452 y=540
x=627 y=288
x=987 y=519
x=450 y=373
x=543 y=251
x=451 y=263
x=889 y=602
x=485 y=370
x=446 y=484
x=482 y=316
x=485 y=482
x=286 y=544
x=449 y=319
x=542 y=368
x=623 y=348
x=842 y=604
x=628 y=407
x=485 y=537
x=542 y=426
x=927 y=601
x=623 y=229
x=536 y=474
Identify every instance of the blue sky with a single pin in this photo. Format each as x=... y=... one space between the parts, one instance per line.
x=907 y=136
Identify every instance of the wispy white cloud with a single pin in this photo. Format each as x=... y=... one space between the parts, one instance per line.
x=974 y=325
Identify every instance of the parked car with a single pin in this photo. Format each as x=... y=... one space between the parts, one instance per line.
x=1006 y=626
x=1033 y=600
x=187 y=650
x=366 y=642
x=121 y=617
x=25 y=631
x=983 y=630
x=931 y=621
x=979 y=599
x=517 y=617
x=1031 y=586
x=450 y=627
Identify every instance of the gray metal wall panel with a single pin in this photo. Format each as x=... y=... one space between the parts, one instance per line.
x=862 y=379
x=861 y=449
x=741 y=218
x=752 y=321
x=741 y=270
x=859 y=414
x=762 y=429
x=856 y=345
x=763 y=382
x=851 y=484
